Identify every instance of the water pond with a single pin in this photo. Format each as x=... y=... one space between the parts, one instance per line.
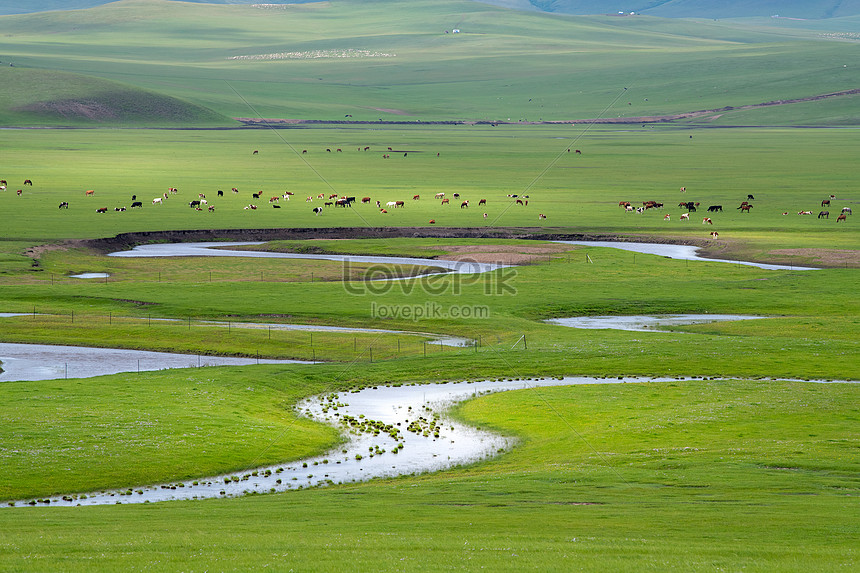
x=684 y=252
x=645 y=323
x=23 y=362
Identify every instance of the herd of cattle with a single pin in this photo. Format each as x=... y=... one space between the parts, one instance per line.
x=745 y=207
x=335 y=200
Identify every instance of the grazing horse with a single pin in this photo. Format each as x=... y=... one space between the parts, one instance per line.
x=136 y=204
x=715 y=235
x=745 y=208
x=578 y=152
x=464 y=204
x=439 y=196
x=445 y=201
x=157 y=201
x=89 y=193
x=683 y=189
x=825 y=202
x=255 y=152
x=399 y=204
x=715 y=208
x=750 y=198
x=194 y=203
x=804 y=212
x=365 y=199
x=825 y=214
x=707 y=221
x=64 y=205
x=842 y=217
x=432 y=221
x=416 y=197
x=541 y=216
x=846 y=210
x=666 y=217
x=101 y=210
x=519 y=201
x=482 y=202
x=28 y=182
x=220 y=193
x=685 y=217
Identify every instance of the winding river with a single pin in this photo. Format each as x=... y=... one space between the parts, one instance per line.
x=433 y=443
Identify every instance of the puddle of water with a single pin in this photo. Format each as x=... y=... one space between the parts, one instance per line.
x=645 y=323
x=90 y=276
x=445 y=340
x=685 y=252
x=23 y=362
x=215 y=249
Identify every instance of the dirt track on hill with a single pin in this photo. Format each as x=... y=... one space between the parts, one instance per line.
x=711 y=114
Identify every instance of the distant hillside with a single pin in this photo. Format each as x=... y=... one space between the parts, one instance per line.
x=44 y=97
x=812 y=9
x=30 y=6
x=396 y=60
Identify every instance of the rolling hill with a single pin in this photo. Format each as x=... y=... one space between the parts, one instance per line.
x=402 y=62
x=46 y=97
x=813 y=9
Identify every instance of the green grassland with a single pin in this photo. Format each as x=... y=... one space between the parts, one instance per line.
x=749 y=466
x=504 y=65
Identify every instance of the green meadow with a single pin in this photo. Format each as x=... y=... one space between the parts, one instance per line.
x=746 y=460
